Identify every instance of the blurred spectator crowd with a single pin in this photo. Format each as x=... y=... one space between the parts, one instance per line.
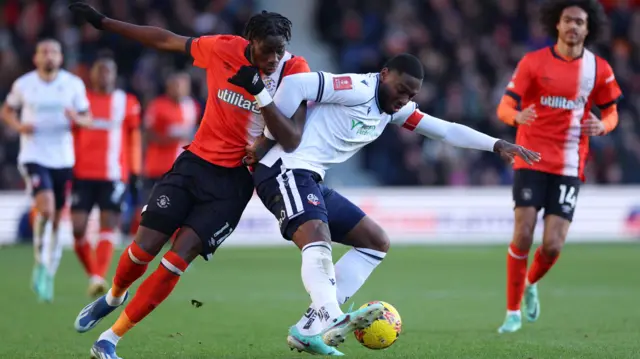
x=470 y=49
x=142 y=71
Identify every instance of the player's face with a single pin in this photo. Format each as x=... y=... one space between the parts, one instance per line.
x=103 y=74
x=268 y=52
x=48 y=56
x=572 y=28
x=396 y=90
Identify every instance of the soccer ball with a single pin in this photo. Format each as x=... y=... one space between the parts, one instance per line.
x=384 y=331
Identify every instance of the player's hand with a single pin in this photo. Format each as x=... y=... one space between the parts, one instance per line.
x=26 y=129
x=248 y=77
x=593 y=126
x=86 y=11
x=257 y=150
x=509 y=151
x=526 y=116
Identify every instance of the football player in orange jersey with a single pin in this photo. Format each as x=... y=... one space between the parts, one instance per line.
x=106 y=155
x=555 y=87
x=208 y=187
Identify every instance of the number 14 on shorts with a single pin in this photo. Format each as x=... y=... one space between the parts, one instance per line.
x=568 y=195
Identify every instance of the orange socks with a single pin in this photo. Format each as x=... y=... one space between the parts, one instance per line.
x=516 y=274
x=83 y=250
x=153 y=291
x=104 y=252
x=132 y=265
x=541 y=265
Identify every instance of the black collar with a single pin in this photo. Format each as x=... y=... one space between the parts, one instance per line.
x=557 y=56
x=247 y=53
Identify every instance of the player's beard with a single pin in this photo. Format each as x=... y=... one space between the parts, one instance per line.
x=573 y=39
x=49 y=67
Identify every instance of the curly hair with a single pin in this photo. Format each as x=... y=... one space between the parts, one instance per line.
x=267 y=24
x=551 y=11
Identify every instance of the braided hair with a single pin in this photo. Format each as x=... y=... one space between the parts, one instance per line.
x=267 y=24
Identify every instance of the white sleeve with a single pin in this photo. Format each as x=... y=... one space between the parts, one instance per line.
x=322 y=87
x=448 y=132
x=14 y=98
x=80 y=100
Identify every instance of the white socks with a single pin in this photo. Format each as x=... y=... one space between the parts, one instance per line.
x=114 y=301
x=352 y=270
x=109 y=336
x=319 y=278
x=43 y=242
x=56 y=252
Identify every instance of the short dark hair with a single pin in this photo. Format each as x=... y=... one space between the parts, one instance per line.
x=551 y=11
x=266 y=24
x=406 y=64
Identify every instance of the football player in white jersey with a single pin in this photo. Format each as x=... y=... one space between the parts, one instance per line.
x=349 y=111
x=43 y=106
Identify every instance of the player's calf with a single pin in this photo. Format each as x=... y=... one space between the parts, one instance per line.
x=318 y=272
x=370 y=245
x=158 y=286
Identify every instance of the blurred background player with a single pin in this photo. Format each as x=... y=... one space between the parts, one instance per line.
x=106 y=154
x=169 y=124
x=42 y=106
x=556 y=87
x=207 y=189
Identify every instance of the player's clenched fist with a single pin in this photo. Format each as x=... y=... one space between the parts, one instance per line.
x=248 y=77
x=526 y=116
x=93 y=16
x=509 y=151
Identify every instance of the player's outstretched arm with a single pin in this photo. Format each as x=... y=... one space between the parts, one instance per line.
x=462 y=136
x=150 y=36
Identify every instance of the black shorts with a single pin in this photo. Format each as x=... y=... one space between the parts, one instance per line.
x=557 y=194
x=296 y=196
x=107 y=195
x=195 y=193
x=147 y=186
x=40 y=178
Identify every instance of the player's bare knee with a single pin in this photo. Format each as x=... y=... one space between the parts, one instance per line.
x=375 y=237
x=553 y=242
x=310 y=232
x=150 y=240
x=187 y=244
x=109 y=220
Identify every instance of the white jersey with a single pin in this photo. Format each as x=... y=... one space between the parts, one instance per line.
x=43 y=105
x=345 y=117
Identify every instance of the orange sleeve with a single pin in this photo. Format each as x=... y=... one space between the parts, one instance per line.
x=296 y=65
x=521 y=79
x=610 y=118
x=202 y=49
x=507 y=110
x=607 y=91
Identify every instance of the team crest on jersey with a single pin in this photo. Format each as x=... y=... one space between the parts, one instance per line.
x=313 y=199
x=342 y=83
x=269 y=83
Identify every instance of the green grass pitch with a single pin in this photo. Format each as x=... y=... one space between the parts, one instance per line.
x=451 y=300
